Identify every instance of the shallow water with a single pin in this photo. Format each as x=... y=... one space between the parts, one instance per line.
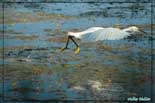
x=35 y=70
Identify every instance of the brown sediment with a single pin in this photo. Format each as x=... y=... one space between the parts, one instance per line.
x=33 y=37
x=105 y=47
x=60 y=39
x=24 y=71
x=24 y=17
x=16 y=48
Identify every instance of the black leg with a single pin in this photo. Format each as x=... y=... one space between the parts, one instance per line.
x=62 y=49
x=77 y=50
x=74 y=41
x=67 y=42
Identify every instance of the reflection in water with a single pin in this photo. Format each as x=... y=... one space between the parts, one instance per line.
x=104 y=70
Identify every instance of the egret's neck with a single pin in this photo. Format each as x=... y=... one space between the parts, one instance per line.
x=92 y=29
x=79 y=34
x=89 y=30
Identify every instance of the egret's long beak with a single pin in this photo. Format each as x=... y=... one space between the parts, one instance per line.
x=142 y=31
x=77 y=50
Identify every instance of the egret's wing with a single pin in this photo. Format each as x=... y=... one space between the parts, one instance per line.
x=111 y=34
x=88 y=37
x=105 y=34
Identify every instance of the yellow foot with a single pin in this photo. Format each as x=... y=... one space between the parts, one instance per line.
x=77 y=50
x=62 y=49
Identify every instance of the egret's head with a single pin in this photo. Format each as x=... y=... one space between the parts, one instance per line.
x=133 y=29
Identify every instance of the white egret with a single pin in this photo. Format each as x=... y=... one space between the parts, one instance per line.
x=94 y=34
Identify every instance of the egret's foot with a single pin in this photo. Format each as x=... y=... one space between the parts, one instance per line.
x=62 y=49
x=77 y=50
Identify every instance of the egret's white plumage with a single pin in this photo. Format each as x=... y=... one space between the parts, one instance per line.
x=100 y=33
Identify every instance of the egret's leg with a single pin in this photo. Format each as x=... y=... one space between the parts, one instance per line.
x=74 y=42
x=77 y=50
x=67 y=42
x=62 y=49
